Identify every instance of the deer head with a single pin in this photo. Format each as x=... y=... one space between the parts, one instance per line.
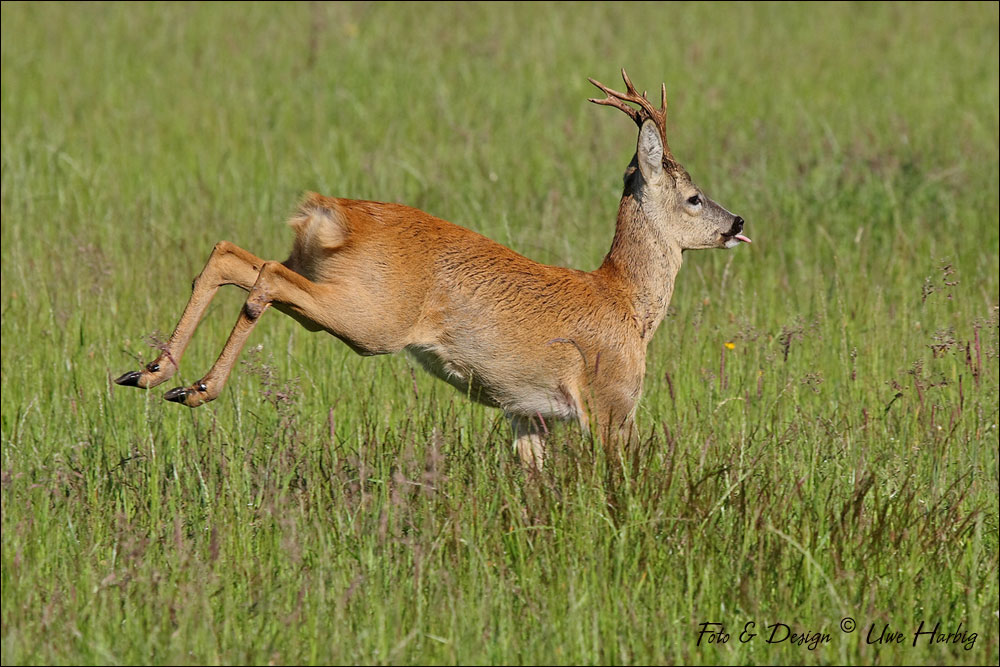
x=661 y=187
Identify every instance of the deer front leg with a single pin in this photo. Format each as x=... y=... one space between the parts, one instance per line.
x=276 y=284
x=228 y=265
x=618 y=434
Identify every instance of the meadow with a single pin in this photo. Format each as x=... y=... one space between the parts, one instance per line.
x=819 y=421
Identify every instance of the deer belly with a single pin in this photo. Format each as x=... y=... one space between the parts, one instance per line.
x=498 y=386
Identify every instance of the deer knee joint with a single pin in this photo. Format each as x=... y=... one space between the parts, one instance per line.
x=253 y=309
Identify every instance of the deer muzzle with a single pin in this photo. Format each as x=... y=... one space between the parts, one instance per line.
x=735 y=236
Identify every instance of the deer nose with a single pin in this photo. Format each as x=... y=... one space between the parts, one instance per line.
x=737 y=226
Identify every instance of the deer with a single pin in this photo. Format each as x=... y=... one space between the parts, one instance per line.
x=541 y=343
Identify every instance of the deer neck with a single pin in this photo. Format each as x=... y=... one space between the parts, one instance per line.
x=644 y=262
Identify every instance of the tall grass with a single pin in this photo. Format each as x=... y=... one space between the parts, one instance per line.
x=820 y=413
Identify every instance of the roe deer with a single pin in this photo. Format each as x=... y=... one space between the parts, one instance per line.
x=539 y=342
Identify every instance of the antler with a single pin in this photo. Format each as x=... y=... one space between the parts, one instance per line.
x=640 y=115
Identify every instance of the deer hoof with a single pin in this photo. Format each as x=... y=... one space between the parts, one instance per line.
x=130 y=379
x=177 y=395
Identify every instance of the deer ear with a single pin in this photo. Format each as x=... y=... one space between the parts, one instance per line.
x=650 y=152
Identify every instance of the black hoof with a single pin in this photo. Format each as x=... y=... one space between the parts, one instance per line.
x=130 y=379
x=177 y=394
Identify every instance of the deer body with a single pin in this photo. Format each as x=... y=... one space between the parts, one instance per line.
x=540 y=342
x=505 y=330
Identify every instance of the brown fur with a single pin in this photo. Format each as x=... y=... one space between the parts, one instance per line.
x=540 y=342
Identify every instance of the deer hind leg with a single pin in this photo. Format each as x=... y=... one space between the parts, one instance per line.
x=227 y=265
x=276 y=285
x=529 y=440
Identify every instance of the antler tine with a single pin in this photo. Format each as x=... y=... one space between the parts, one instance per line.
x=614 y=99
x=628 y=83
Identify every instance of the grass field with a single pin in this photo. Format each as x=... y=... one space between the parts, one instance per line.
x=820 y=413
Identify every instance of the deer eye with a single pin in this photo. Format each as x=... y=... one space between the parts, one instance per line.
x=694 y=200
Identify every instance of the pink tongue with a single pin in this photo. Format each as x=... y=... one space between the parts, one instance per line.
x=740 y=237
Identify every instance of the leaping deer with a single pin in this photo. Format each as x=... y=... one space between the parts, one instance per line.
x=539 y=342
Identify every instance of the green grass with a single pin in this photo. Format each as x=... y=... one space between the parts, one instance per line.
x=840 y=460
